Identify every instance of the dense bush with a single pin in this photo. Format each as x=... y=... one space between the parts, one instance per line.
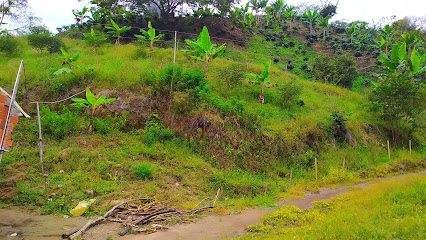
x=40 y=38
x=8 y=43
x=155 y=131
x=145 y=171
x=290 y=92
x=398 y=98
x=59 y=126
x=233 y=74
x=341 y=70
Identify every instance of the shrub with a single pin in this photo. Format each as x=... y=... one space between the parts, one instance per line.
x=181 y=102
x=8 y=43
x=233 y=74
x=144 y=171
x=155 y=131
x=94 y=38
x=339 y=126
x=290 y=92
x=341 y=71
x=346 y=70
x=59 y=126
x=40 y=38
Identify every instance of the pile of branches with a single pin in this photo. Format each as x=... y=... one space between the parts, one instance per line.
x=143 y=215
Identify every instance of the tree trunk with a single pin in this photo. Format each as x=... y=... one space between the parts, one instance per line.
x=261 y=98
x=206 y=68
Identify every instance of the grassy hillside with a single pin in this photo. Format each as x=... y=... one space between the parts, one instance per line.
x=188 y=141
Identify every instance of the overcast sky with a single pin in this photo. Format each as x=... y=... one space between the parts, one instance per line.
x=56 y=13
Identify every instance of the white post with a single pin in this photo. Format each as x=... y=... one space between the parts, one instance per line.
x=174 y=61
x=40 y=137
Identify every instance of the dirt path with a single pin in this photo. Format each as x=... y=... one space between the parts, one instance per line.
x=29 y=226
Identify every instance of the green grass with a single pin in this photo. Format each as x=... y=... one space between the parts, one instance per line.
x=385 y=210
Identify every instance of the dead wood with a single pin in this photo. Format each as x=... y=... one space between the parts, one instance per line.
x=146 y=218
x=132 y=215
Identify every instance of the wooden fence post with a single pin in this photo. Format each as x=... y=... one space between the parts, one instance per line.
x=409 y=142
x=388 y=149
x=316 y=169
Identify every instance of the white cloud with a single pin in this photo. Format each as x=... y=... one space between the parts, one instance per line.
x=56 y=13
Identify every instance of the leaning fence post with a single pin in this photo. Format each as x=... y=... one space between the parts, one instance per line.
x=40 y=137
x=291 y=174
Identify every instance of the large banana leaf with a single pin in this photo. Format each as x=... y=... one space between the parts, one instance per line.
x=197 y=47
x=217 y=52
x=204 y=40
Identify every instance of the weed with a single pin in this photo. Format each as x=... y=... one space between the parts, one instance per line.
x=145 y=171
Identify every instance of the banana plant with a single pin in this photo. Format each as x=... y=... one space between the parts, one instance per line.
x=116 y=31
x=290 y=14
x=261 y=79
x=149 y=35
x=204 y=51
x=67 y=59
x=310 y=18
x=93 y=39
x=91 y=102
x=323 y=22
x=278 y=7
x=80 y=15
x=386 y=38
x=400 y=61
x=410 y=39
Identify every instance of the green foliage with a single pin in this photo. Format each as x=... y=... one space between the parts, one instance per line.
x=8 y=43
x=59 y=126
x=397 y=98
x=181 y=102
x=155 y=131
x=104 y=126
x=232 y=74
x=149 y=35
x=204 y=51
x=290 y=92
x=91 y=102
x=144 y=171
x=94 y=39
x=40 y=38
x=339 y=126
x=341 y=71
x=400 y=62
x=311 y=17
x=116 y=31
x=67 y=59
